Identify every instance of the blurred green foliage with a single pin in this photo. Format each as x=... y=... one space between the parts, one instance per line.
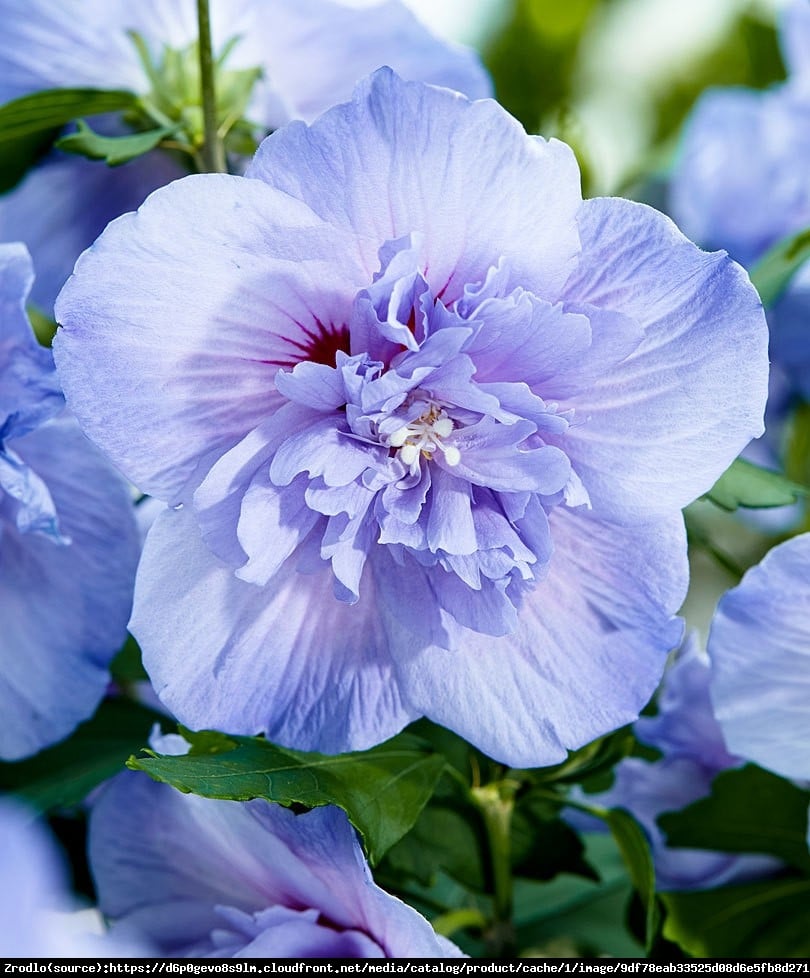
x=537 y=57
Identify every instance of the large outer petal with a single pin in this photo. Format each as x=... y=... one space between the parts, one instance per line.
x=287 y=659
x=759 y=648
x=64 y=608
x=656 y=430
x=163 y=861
x=482 y=189
x=171 y=339
x=589 y=649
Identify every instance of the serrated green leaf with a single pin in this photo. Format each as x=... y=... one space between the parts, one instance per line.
x=62 y=776
x=29 y=125
x=113 y=150
x=382 y=790
x=590 y=761
x=773 y=272
x=748 y=810
x=748 y=485
x=766 y=919
x=635 y=850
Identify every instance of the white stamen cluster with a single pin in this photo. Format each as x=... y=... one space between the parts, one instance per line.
x=424 y=436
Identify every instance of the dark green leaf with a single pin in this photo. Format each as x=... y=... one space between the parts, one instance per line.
x=749 y=810
x=62 y=776
x=766 y=919
x=448 y=837
x=772 y=273
x=29 y=125
x=113 y=150
x=382 y=790
x=572 y=915
x=745 y=484
x=127 y=667
x=635 y=849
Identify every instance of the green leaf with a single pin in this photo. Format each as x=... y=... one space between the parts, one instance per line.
x=542 y=844
x=575 y=915
x=773 y=272
x=635 y=850
x=113 y=150
x=382 y=790
x=748 y=485
x=63 y=775
x=749 y=810
x=766 y=919
x=591 y=761
x=29 y=125
x=127 y=667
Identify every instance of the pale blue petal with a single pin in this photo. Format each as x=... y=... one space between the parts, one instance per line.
x=660 y=427
x=64 y=608
x=186 y=363
x=759 y=648
x=287 y=659
x=560 y=685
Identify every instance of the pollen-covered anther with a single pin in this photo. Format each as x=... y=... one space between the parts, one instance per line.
x=425 y=436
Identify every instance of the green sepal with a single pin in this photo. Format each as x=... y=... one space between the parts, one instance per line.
x=113 y=150
x=382 y=790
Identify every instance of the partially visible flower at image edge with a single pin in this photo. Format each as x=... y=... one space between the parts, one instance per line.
x=426 y=421
x=759 y=647
x=200 y=877
x=68 y=542
x=693 y=753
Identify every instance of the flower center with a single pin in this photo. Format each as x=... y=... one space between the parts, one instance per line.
x=424 y=436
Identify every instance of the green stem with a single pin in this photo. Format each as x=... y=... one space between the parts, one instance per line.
x=496 y=803
x=213 y=152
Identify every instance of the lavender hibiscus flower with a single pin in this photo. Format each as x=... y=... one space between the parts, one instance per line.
x=426 y=421
x=67 y=538
x=693 y=754
x=196 y=877
x=759 y=647
x=307 y=55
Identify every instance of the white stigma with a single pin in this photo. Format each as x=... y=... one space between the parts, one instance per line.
x=424 y=437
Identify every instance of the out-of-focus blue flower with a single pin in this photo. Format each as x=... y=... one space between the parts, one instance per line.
x=311 y=53
x=429 y=418
x=35 y=907
x=693 y=753
x=68 y=543
x=198 y=877
x=742 y=182
x=759 y=648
